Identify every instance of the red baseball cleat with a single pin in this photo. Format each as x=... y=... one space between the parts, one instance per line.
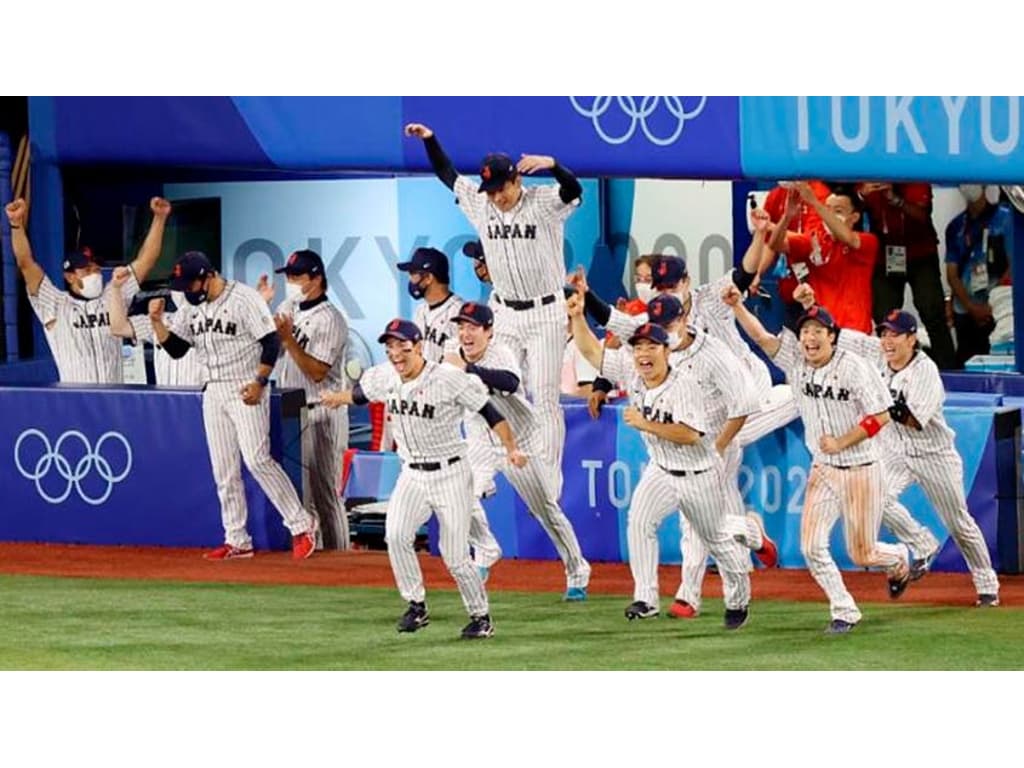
x=228 y=552
x=768 y=554
x=680 y=609
x=303 y=544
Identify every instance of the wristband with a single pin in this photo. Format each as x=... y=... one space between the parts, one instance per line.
x=262 y=381
x=871 y=425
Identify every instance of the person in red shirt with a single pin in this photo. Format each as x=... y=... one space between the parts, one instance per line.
x=840 y=260
x=901 y=216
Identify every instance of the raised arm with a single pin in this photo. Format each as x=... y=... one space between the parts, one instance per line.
x=585 y=340
x=17 y=215
x=766 y=340
x=438 y=159
x=150 y=250
x=569 y=187
x=840 y=230
x=119 y=324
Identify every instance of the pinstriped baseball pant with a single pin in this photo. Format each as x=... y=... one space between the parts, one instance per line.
x=448 y=492
x=323 y=443
x=233 y=427
x=856 y=495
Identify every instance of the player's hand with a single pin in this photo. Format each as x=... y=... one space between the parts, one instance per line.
x=731 y=295
x=418 y=130
x=161 y=208
x=755 y=286
x=265 y=288
x=578 y=280
x=455 y=360
x=793 y=203
x=284 y=325
x=804 y=190
x=120 y=276
x=332 y=399
x=870 y=187
x=574 y=305
x=156 y=309
x=17 y=212
x=829 y=445
x=804 y=294
x=759 y=220
x=517 y=458
x=633 y=417
x=252 y=393
x=529 y=163
x=595 y=402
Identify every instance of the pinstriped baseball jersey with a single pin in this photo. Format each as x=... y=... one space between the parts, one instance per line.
x=919 y=385
x=440 y=334
x=183 y=372
x=833 y=399
x=426 y=412
x=225 y=332
x=322 y=333
x=83 y=348
x=677 y=400
x=727 y=391
x=514 y=406
x=524 y=246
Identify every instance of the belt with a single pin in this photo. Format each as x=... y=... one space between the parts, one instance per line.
x=683 y=472
x=433 y=466
x=527 y=303
x=852 y=466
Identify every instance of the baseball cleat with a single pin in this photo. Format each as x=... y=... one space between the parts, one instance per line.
x=921 y=565
x=303 y=544
x=768 y=554
x=839 y=627
x=735 y=617
x=478 y=627
x=987 y=601
x=415 y=617
x=641 y=610
x=575 y=595
x=228 y=552
x=680 y=609
x=898 y=583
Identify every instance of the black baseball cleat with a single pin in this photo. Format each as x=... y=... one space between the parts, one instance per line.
x=478 y=627
x=415 y=617
x=987 y=601
x=735 y=617
x=640 y=610
x=839 y=627
x=898 y=584
x=921 y=565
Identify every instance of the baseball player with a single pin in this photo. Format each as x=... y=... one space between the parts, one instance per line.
x=77 y=319
x=843 y=406
x=495 y=365
x=522 y=234
x=666 y=405
x=184 y=372
x=919 y=446
x=427 y=401
x=237 y=342
x=314 y=340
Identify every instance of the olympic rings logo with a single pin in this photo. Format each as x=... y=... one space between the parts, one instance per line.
x=638 y=115
x=54 y=458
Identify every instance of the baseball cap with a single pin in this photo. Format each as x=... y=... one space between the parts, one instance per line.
x=78 y=259
x=664 y=308
x=820 y=314
x=191 y=266
x=898 y=321
x=667 y=271
x=303 y=262
x=649 y=332
x=403 y=330
x=495 y=170
x=429 y=260
x=475 y=250
x=476 y=313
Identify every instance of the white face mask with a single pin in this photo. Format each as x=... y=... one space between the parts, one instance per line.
x=92 y=285
x=645 y=292
x=293 y=292
x=674 y=340
x=178 y=297
x=992 y=193
x=972 y=192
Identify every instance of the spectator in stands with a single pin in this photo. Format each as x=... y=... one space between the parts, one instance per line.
x=900 y=215
x=840 y=259
x=976 y=262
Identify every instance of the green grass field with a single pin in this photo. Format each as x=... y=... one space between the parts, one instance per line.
x=51 y=623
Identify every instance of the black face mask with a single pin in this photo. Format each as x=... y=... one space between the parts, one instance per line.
x=415 y=290
x=195 y=298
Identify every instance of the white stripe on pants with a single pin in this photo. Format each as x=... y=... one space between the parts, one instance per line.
x=324 y=442
x=656 y=495
x=856 y=495
x=448 y=492
x=232 y=427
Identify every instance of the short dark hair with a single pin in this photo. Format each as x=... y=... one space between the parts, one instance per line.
x=849 y=191
x=647 y=258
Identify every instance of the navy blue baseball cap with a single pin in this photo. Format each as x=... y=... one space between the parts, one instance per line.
x=78 y=259
x=475 y=250
x=649 y=332
x=664 y=308
x=303 y=262
x=403 y=330
x=429 y=260
x=475 y=313
x=899 y=322
x=819 y=313
x=191 y=266
x=495 y=170
x=667 y=271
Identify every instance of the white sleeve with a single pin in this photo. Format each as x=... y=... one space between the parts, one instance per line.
x=46 y=300
x=501 y=358
x=326 y=338
x=256 y=317
x=925 y=393
x=550 y=203
x=788 y=355
x=874 y=396
x=617 y=364
x=472 y=203
x=128 y=290
x=142 y=327
x=373 y=382
x=469 y=391
x=623 y=325
x=178 y=324
x=869 y=347
x=736 y=387
x=687 y=403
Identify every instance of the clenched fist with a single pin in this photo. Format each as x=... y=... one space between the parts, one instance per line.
x=419 y=130
x=160 y=207
x=156 y=309
x=120 y=276
x=17 y=212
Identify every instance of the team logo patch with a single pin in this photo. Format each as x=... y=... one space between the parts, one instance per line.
x=485 y=173
x=469 y=309
x=894 y=315
x=87 y=253
x=662 y=269
x=813 y=311
x=293 y=258
x=656 y=310
x=176 y=272
x=394 y=325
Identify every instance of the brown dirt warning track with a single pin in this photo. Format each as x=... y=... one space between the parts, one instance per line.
x=371 y=569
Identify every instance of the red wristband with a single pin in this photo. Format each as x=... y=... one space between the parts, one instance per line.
x=871 y=425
